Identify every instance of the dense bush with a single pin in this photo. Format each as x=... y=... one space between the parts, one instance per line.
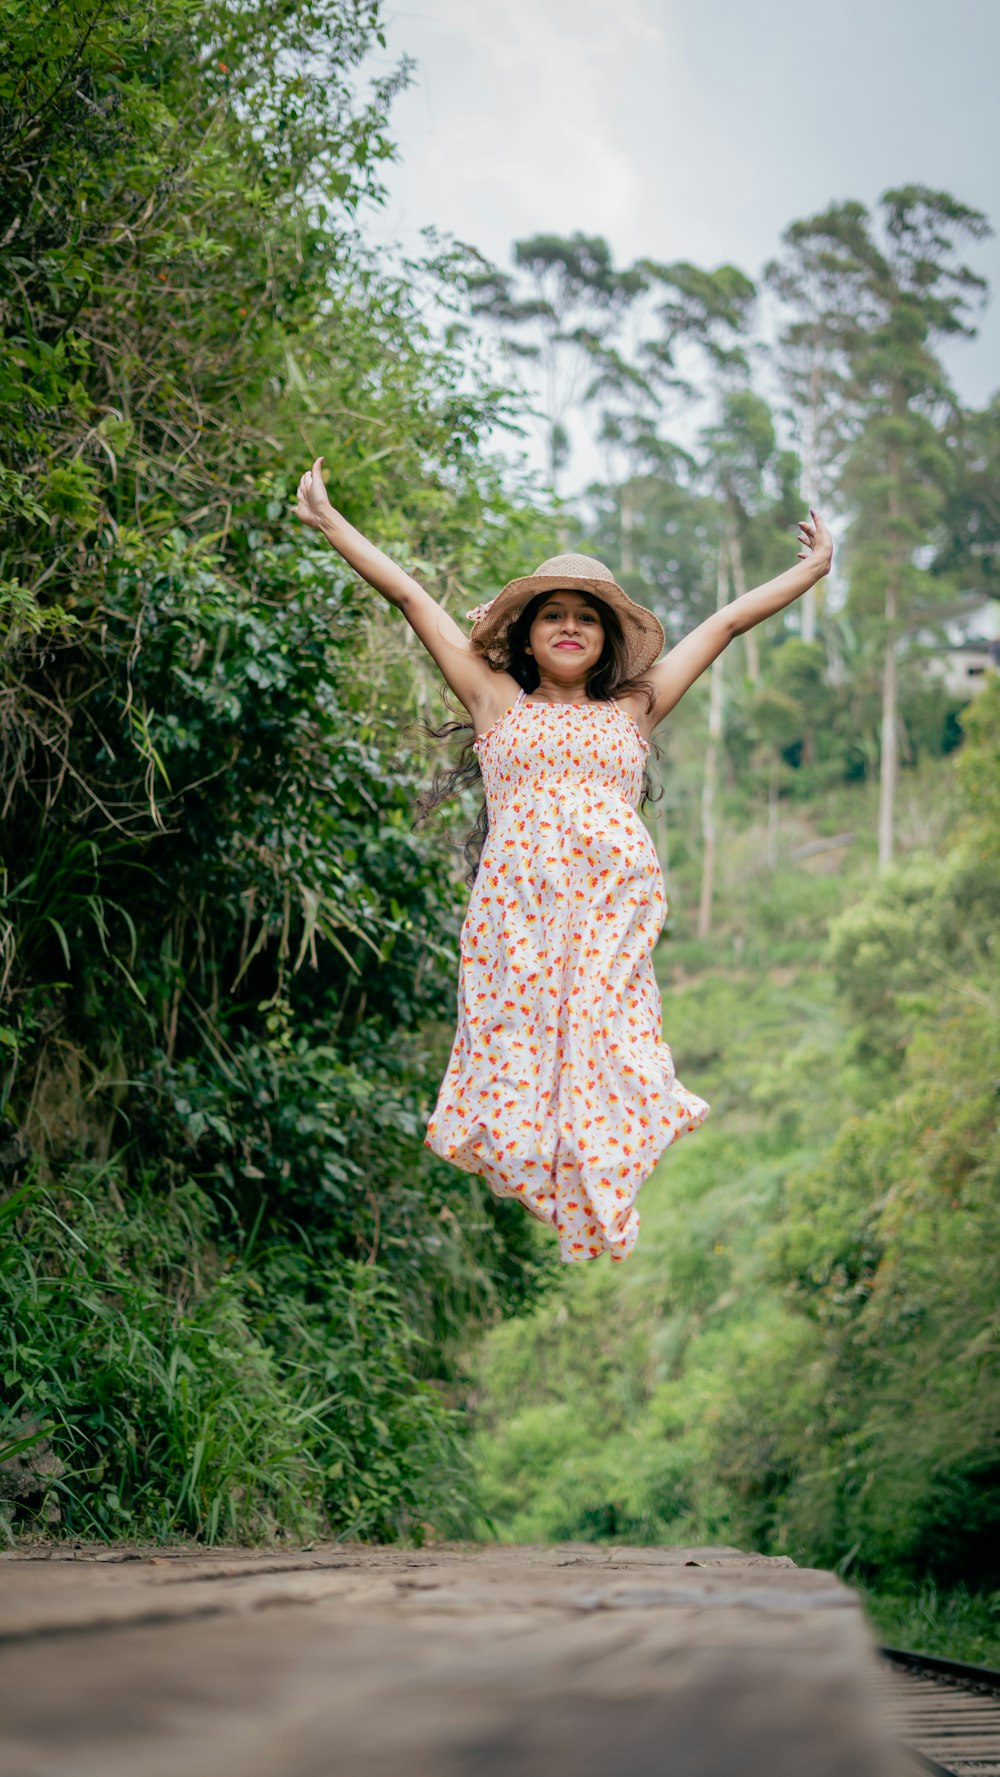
x=230 y=1265
x=187 y=1392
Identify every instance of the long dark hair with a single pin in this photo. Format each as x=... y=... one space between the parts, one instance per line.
x=609 y=680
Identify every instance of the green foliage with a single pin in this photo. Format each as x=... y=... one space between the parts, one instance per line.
x=885 y=1248
x=956 y=1625
x=190 y=1392
x=925 y=927
x=970 y=522
x=741 y=447
x=801 y=1355
x=884 y=953
x=979 y=772
x=230 y=963
x=167 y=1409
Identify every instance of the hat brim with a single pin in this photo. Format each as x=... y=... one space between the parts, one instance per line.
x=644 y=637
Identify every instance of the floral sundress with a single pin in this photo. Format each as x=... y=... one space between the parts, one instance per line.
x=559 y=1090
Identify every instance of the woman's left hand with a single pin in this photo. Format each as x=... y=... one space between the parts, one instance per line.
x=312 y=503
x=817 y=543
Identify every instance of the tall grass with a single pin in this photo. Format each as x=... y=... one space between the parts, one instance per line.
x=186 y=1394
x=954 y=1624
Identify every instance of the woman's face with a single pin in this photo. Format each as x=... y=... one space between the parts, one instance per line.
x=566 y=637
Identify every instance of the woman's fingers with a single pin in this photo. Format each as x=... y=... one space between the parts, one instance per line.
x=806 y=537
x=311 y=492
x=303 y=505
x=816 y=541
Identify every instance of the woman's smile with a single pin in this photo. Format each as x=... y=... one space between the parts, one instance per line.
x=568 y=624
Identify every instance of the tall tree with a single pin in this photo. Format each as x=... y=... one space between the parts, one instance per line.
x=219 y=937
x=740 y=463
x=705 y=319
x=678 y=314
x=661 y=527
x=904 y=291
x=702 y=316
x=813 y=366
x=561 y=308
x=713 y=749
x=969 y=552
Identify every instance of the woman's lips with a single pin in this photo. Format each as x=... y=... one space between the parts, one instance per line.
x=577 y=645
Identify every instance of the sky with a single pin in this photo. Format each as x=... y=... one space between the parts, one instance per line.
x=694 y=129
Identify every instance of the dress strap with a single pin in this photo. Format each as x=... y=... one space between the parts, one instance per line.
x=511 y=707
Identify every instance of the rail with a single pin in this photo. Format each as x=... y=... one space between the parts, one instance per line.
x=945 y=1714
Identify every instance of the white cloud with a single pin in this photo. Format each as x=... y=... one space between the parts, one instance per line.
x=690 y=128
x=514 y=118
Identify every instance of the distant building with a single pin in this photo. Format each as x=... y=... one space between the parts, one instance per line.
x=963 y=644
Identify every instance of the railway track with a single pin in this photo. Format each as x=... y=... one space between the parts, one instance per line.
x=946 y=1715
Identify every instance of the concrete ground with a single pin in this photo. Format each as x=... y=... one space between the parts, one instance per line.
x=444 y=1662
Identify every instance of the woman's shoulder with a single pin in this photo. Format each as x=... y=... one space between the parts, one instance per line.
x=635 y=704
x=503 y=690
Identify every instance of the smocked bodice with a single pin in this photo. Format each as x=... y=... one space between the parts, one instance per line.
x=597 y=745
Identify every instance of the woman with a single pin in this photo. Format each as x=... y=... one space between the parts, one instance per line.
x=559 y=1089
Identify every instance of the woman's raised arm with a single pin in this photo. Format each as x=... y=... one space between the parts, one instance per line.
x=678 y=670
x=483 y=692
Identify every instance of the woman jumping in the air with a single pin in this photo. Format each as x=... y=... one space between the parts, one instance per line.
x=560 y=1090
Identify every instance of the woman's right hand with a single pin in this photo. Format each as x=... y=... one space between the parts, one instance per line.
x=469 y=674
x=312 y=504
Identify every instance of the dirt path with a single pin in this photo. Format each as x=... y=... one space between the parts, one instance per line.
x=448 y=1662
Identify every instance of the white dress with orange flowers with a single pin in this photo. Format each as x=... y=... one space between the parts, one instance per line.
x=560 y=1090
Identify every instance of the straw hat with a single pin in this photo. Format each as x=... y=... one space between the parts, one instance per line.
x=642 y=632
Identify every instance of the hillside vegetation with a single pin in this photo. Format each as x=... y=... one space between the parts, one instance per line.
x=232 y=1281
x=801 y=1357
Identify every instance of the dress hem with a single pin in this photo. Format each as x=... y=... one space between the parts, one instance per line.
x=693 y=1121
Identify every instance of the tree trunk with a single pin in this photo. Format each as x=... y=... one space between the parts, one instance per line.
x=808 y=620
x=810 y=479
x=887 y=776
x=739 y=588
x=712 y=765
x=772 y=814
x=887 y=771
x=627 y=520
x=807 y=605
